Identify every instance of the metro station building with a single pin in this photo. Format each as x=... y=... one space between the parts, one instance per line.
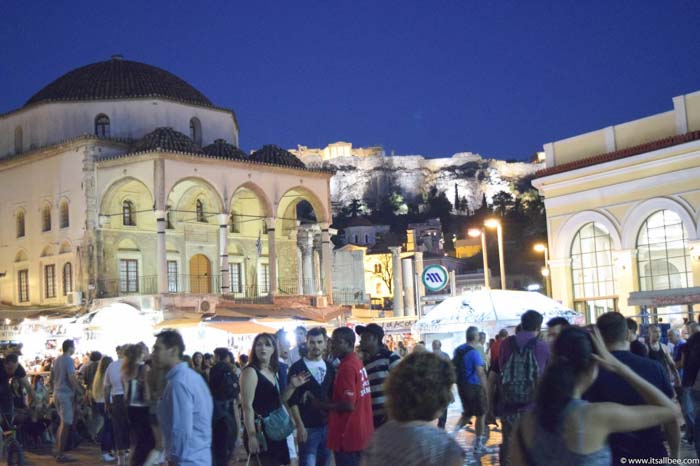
x=623 y=215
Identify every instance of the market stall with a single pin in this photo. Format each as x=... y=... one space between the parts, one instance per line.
x=490 y=310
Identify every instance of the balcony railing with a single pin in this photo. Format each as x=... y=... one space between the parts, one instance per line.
x=350 y=297
x=112 y=287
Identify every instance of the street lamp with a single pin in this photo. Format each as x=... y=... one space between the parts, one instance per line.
x=540 y=247
x=493 y=223
x=474 y=232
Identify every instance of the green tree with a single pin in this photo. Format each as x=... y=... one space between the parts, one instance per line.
x=502 y=202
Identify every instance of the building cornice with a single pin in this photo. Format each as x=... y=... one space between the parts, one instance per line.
x=58 y=148
x=583 y=177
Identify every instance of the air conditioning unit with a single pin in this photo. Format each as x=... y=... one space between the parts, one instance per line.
x=75 y=298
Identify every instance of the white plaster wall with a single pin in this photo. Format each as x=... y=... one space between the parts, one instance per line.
x=50 y=123
x=29 y=186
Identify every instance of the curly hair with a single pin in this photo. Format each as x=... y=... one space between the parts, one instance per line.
x=419 y=388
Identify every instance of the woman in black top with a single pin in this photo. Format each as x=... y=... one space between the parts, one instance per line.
x=260 y=395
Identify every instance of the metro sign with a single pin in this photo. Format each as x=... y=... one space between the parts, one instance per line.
x=435 y=277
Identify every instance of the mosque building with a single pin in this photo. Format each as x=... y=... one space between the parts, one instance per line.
x=119 y=180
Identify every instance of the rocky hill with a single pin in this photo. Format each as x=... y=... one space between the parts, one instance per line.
x=412 y=176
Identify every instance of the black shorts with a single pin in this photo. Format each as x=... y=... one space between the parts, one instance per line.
x=473 y=400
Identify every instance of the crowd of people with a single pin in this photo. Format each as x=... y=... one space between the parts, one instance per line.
x=571 y=395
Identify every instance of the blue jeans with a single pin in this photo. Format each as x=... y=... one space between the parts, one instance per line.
x=686 y=402
x=347 y=458
x=314 y=452
x=695 y=397
x=106 y=442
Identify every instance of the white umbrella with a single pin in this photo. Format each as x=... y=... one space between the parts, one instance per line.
x=490 y=308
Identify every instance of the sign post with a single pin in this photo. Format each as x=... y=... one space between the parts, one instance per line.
x=435 y=277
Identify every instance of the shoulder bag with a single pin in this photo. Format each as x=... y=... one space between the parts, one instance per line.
x=278 y=425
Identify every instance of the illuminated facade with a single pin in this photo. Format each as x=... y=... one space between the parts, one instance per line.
x=120 y=180
x=623 y=215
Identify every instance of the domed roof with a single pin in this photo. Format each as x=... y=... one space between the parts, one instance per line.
x=221 y=148
x=277 y=156
x=165 y=139
x=118 y=79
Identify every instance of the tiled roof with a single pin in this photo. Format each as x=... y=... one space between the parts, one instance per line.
x=220 y=148
x=620 y=154
x=359 y=222
x=118 y=79
x=166 y=139
x=277 y=156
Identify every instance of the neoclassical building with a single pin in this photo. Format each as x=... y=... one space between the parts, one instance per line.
x=623 y=215
x=119 y=179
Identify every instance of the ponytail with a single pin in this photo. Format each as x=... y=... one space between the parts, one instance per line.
x=556 y=390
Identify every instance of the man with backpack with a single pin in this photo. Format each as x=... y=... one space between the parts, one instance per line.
x=471 y=385
x=521 y=360
x=225 y=390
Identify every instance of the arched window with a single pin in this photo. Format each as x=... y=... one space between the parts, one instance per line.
x=592 y=271
x=102 y=125
x=200 y=211
x=235 y=223
x=64 y=217
x=19 y=142
x=663 y=257
x=67 y=278
x=366 y=239
x=128 y=213
x=20 y=224
x=196 y=131
x=46 y=218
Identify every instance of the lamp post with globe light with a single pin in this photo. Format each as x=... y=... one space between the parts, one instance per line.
x=474 y=232
x=493 y=223
x=540 y=247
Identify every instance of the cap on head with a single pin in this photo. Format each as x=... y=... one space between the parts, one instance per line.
x=372 y=329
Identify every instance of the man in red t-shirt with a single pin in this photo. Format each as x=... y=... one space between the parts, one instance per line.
x=350 y=425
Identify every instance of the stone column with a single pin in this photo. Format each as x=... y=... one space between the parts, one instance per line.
x=625 y=272
x=398 y=280
x=326 y=257
x=317 y=260
x=408 y=291
x=272 y=255
x=418 y=257
x=223 y=254
x=562 y=288
x=161 y=254
x=305 y=240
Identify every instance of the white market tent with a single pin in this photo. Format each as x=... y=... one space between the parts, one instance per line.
x=490 y=310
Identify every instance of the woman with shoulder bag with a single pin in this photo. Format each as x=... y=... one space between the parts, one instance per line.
x=267 y=424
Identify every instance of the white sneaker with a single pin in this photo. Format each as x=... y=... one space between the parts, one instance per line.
x=107 y=458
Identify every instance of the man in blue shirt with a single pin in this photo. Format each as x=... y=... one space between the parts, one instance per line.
x=471 y=385
x=185 y=409
x=609 y=387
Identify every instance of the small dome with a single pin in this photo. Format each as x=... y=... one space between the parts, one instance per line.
x=165 y=139
x=118 y=79
x=221 y=148
x=277 y=156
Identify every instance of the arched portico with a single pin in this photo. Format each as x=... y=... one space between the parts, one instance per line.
x=127 y=203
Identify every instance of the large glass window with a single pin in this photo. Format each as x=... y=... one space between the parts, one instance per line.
x=128 y=217
x=172 y=276
x=662 y=253
x=264 y=279
x=196 y=131
x=64 y=216
x=199 y=207
x=20 y=224
x=235 y=268
x=46 y=218
x=50 y=281
x=19 y=143
x=128 y=276
x=23 y=285
x=592 y=271
x=67 y=278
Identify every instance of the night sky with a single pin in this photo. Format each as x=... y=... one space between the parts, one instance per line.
x=417 y=77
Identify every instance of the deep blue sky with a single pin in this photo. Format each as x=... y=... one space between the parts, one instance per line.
x=417 y=77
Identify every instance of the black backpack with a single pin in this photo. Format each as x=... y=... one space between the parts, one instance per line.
x=226 y=388
x=458 y=363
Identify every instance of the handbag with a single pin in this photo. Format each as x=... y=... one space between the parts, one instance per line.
x=278 y=425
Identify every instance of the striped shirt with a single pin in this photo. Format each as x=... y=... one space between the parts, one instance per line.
x=378 y=368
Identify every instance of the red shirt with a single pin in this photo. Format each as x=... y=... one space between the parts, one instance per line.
x=351 y=431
